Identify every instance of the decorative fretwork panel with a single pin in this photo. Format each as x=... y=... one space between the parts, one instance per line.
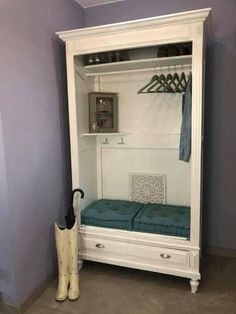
x=148 y=188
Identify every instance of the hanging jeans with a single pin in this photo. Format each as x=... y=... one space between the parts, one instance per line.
x=186 y=127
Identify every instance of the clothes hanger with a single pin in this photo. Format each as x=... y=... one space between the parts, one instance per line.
x=153 y=84
x=160 y=79
x=182 y=82
x=168 y=81
x=175 y=81
x=164 y=86
x=161 y=85
x=153 y=80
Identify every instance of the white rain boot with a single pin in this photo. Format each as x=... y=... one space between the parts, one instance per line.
x=62 y=241
x=73 y=293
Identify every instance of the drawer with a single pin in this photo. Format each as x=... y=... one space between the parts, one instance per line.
x=133 y=251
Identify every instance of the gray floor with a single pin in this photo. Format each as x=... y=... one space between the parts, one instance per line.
x=114 y=290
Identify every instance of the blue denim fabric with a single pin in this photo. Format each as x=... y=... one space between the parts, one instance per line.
x=186 y=127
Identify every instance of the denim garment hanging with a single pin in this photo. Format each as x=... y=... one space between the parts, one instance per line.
x=186 y=127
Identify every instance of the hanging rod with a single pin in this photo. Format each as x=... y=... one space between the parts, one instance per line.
x=170 y=67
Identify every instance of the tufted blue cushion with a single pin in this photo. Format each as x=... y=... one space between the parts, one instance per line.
x=110 y=214
x=163 y=219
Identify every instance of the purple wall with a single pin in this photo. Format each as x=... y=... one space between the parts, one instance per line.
x=34 y=148
x=7 y=279
x=34 y=162
x=219 y=214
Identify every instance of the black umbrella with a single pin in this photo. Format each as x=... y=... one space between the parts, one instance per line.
x=70 y=217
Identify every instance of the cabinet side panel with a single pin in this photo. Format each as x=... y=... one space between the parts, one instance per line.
x=87 y=162
x=72 y=115
x=196 y=157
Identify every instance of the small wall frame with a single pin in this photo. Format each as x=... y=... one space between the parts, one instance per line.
x=103 y=112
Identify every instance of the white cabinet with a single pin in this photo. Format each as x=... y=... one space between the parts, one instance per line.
x=148 y=137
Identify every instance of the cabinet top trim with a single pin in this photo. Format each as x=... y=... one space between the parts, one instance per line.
x=177 y=18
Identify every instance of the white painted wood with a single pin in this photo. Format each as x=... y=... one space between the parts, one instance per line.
x=157 y=118
x=194 y=285
x=195 y=260
x=88 y=177
x=124 y=40
x=99 y=169
x=120 y=240
x=138 y=70
x=144 y=256
x=166 y=141
x=142 y=265
x=137 y=237
x=197 y=118
x=136 y=65
x=115 y=180
x=182 y=18
x=80 y=264
x=87 y=161
x=92 y=3
x=162 y=256
x=144 y=113
x=82 y=102
x=72 y=115
x=147 y=138
x=104 y=134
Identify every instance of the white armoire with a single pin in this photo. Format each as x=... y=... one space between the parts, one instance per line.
x=147 y=141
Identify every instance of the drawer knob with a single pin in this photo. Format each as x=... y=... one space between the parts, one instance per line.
x=100 y=245
x=165 y=256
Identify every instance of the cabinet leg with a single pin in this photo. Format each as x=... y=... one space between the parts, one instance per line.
x=194 y=283
x=80 y=264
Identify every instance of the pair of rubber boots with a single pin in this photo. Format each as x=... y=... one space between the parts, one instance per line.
x=67 y=254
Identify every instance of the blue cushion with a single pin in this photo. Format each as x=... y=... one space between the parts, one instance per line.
x=163 y=219
x=110 y=214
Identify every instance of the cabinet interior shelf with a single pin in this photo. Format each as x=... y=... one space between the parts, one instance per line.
x=103 y=134
x=138 y=65
x=103 y=113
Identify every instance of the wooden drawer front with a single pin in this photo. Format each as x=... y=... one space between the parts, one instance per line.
x=134 y=252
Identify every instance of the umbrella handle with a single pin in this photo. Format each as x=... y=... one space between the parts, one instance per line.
x=77 y=190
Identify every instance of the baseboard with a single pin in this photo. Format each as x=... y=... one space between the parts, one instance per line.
x=37 y=293
x=220 y=252
x=14 y=309
x=9 y=309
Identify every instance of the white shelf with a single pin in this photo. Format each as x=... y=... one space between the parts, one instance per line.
x=137 y=65
x=103 y=134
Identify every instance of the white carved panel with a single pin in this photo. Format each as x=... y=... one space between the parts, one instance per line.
x=147 y=188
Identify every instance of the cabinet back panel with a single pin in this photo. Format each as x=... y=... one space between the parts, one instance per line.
x=154 y=121
x=88 y=176
x=117 y=163
x=143 y=113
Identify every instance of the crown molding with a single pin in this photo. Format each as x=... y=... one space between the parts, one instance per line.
x=177 y=18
